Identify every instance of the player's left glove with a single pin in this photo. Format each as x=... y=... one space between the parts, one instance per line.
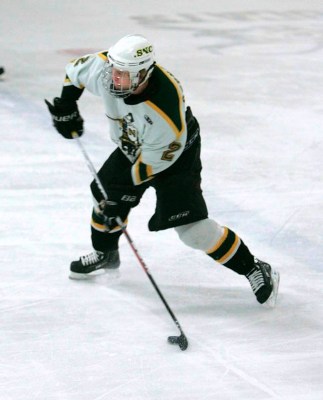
x=66 y=117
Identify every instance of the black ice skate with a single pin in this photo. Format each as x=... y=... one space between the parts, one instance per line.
x=95 y=262
x=264 y=282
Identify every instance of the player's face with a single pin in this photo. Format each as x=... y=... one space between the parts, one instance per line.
x=121 y=79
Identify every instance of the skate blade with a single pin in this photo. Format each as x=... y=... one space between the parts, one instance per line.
x=111 y=273
x=271 y=302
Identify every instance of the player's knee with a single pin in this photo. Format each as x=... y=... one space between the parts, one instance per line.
x=200 y=235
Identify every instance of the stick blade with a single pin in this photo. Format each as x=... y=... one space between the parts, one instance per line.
x=181 y=341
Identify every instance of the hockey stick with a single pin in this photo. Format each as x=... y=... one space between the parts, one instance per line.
x=181 y=340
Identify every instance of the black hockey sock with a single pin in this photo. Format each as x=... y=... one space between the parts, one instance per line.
x=104 y=241
x=231 y=252
x=242 y=262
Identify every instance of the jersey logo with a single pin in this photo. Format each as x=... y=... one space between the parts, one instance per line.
x=148 y=119
x=129 y=138
x=128 y=198
x=180 y=215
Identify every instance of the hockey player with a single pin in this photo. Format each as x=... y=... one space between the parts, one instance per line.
x=158 y=145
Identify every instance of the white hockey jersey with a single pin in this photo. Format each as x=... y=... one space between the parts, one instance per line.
x=151 y=130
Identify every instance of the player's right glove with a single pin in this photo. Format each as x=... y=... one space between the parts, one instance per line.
x=66 y=117
x=121 y=199
x=108 y=211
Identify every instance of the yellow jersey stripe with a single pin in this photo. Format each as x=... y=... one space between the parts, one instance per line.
x=167 y=119
x=178 y=133
x=103 y=56
x=142 y=171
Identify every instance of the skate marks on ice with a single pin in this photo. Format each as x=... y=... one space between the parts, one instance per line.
x=259 y=32
x=262 y=340
x=209 y=350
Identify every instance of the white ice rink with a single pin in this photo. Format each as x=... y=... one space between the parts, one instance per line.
x=253 y=75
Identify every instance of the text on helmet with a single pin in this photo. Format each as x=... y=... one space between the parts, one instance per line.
x=143 y=51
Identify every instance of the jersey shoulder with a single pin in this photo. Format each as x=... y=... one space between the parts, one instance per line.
x=85 y=71
x=168 y=98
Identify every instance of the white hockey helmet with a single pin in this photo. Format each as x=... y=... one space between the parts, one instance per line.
x=133 y=54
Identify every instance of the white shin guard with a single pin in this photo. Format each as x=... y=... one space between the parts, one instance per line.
x=201 y=235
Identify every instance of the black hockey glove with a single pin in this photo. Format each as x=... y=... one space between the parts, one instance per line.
x=109 y=211
x=66 y=117
x=121 y=200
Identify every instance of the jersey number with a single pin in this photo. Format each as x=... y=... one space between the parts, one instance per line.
x=81 y=60
x=168 y=154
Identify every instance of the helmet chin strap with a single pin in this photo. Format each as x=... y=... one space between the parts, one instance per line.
x=141 y=84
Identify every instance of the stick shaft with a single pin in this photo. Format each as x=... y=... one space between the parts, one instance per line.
x=124 y=230
x=90 y=165
x=152 y=280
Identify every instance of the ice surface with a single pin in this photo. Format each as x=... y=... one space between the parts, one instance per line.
x=252 y=73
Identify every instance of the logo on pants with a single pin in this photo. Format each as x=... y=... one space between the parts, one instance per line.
x=179 y=215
